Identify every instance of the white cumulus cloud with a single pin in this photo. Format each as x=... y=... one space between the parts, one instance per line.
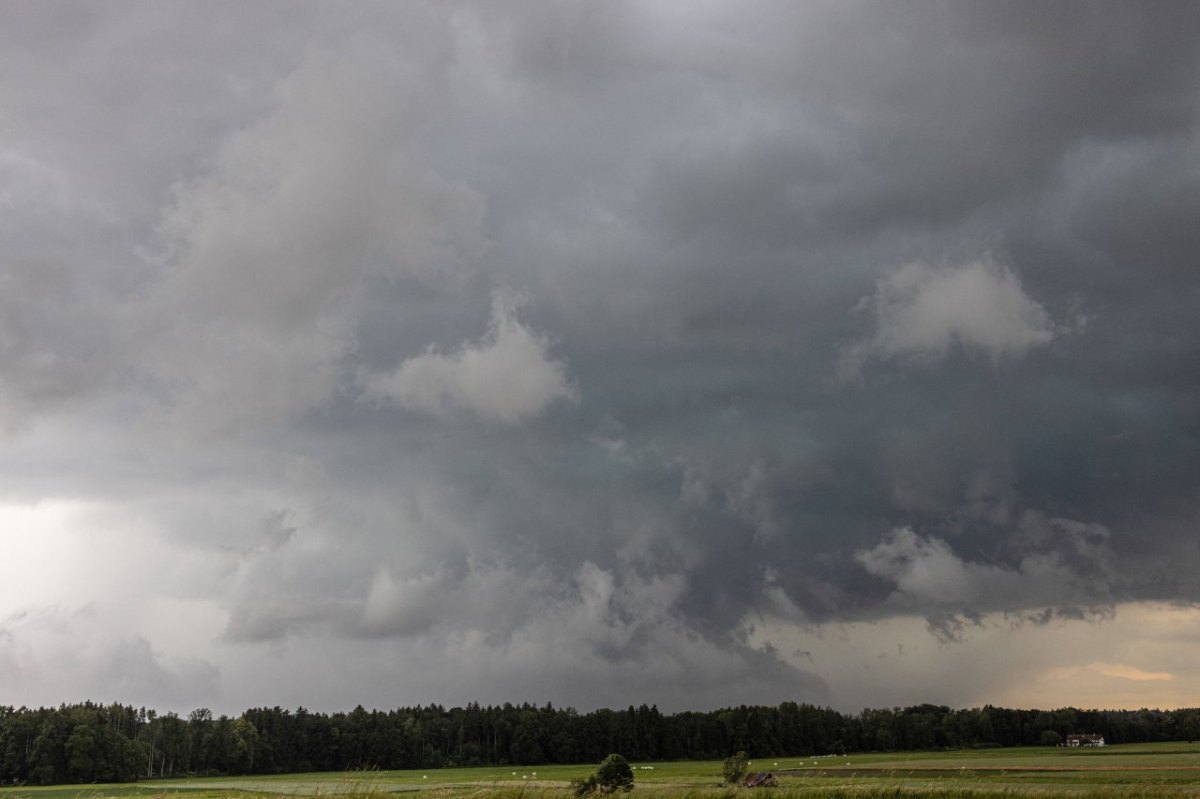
x=507 y=376
x=921 y=311
x=928 y=575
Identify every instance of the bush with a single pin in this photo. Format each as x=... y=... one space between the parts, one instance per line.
x=1050 y=738
x=614 y=774
x=735 y=768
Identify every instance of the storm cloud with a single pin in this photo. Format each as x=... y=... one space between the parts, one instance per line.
x=595 y=353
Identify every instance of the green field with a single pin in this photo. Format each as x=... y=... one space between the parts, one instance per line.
x=1145 y=770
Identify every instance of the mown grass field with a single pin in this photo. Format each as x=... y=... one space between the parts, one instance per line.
x=1136 y=771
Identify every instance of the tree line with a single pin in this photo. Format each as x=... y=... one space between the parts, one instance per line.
x=91 y=742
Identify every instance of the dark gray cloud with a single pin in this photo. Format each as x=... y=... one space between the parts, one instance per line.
x=591 y=353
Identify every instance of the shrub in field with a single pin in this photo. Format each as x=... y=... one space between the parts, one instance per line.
x=1050 y=738
x=614 y=774
x=735 y=768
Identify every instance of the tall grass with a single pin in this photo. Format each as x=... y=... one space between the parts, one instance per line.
x=960 y=790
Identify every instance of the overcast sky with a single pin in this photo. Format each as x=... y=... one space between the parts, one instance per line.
x=685 y=353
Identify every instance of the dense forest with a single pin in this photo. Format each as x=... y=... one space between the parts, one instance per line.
x=111 y=743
